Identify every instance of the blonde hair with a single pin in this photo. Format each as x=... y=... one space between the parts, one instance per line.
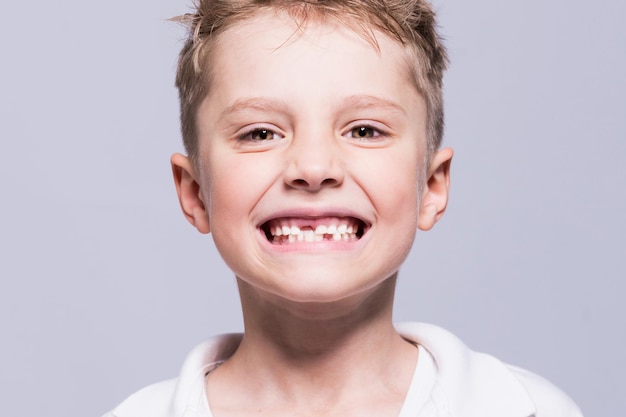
x=410 y=22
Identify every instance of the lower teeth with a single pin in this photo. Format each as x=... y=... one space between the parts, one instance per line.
x=312 y=237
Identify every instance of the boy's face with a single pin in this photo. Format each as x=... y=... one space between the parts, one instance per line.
x=310 y=171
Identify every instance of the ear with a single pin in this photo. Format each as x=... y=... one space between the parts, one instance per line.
x=189 y=192
x=435 y=193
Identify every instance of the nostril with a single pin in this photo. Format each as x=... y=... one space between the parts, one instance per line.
x=329 y=182
x=314 y=185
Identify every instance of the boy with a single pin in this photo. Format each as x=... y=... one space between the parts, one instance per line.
x=313 y=130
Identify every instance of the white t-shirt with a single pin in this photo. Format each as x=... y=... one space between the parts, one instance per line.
x=418 y=402
x=449 y=380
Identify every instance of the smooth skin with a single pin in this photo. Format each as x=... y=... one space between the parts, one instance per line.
x=311 y=125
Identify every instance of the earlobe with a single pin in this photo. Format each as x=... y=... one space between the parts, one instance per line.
x=189 y=193
x=435 y=194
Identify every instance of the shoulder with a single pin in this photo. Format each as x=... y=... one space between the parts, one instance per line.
x=477 y=384
x=549 y=400
x=152 y=401
x=183 y=395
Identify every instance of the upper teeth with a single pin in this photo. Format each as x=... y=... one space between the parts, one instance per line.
x=292 y=234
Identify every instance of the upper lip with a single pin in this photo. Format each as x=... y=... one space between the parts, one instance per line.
x=315 y=214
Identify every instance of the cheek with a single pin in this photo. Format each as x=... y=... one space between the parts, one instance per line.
x=395 y=179
x=229 y=199
x=236 y=183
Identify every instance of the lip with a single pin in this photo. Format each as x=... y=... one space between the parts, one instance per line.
x=314 y=213
x=311 y=218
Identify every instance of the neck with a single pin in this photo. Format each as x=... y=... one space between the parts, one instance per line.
x=331 y=353
x=305 y=331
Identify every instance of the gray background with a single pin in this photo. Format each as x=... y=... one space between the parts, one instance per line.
x=104 y=287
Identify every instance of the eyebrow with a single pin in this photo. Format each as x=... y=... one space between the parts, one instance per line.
x=255 y=103
x=359 y=102
x=367 y=102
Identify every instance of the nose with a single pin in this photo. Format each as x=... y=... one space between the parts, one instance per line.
x=314 y=162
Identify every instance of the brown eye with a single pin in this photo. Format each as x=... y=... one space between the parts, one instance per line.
x=364 y=132
x=259 y=135
x=262 y=134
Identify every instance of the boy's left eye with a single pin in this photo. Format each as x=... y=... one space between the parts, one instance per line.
x=364 y=132
x=262 y=134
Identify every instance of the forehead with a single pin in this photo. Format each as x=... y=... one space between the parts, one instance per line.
x=315 y=61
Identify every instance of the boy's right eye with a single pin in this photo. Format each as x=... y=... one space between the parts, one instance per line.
x=260 y=135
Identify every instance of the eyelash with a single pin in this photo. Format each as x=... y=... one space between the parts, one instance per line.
x=353 y=133
x=376 y=133
x=249 y=135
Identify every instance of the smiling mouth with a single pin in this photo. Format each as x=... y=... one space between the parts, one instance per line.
x=286 y=231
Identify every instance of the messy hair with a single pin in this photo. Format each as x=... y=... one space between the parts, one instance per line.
x=410 y=22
